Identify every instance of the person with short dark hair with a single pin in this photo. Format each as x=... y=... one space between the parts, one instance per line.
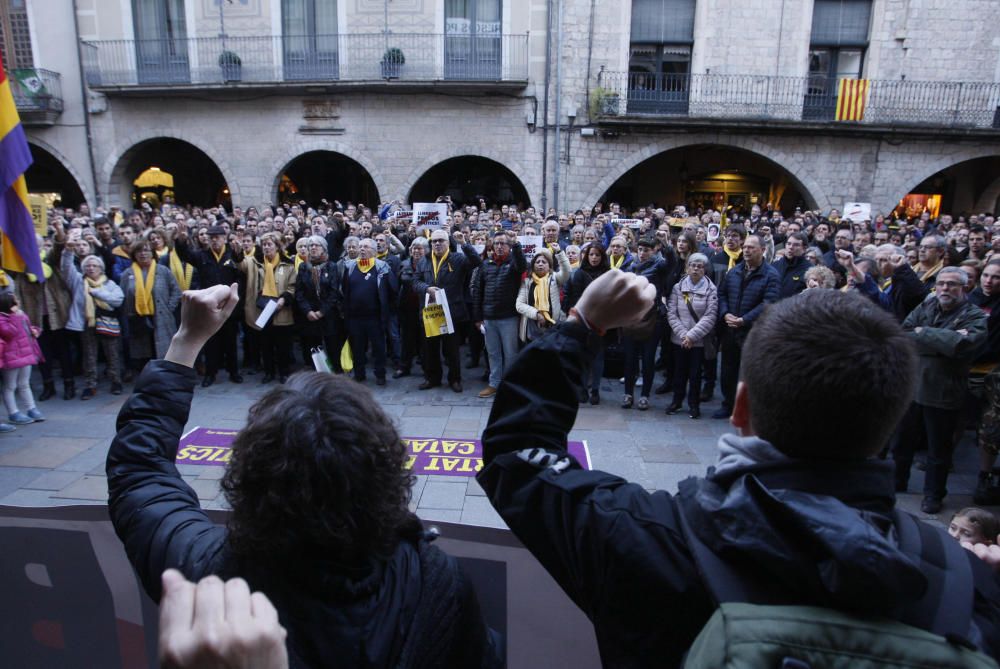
x=494 y=305
x=270 y=277
x=792 y=266
x=804 y=514
x=320 y=521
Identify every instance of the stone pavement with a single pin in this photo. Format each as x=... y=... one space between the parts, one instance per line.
x=61 y=461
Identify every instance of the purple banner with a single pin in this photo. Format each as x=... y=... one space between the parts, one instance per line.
x=428 y=455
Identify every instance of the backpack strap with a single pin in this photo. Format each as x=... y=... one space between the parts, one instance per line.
x=944 y=609
x=946 y=606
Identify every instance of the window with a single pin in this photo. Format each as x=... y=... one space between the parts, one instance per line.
x=472 y=39
x=660 y=55
x=836 y=51
x=309 y=32
x=160 y=41
x=15 y=38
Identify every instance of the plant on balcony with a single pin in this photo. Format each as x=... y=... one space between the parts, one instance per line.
x=232 y=66
x=603 y=102
x=392 y=63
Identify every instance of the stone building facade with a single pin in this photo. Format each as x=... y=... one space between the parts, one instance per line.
x=742 y=92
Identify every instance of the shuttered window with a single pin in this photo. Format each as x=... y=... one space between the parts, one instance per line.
x=663 y=21
x=839 y=22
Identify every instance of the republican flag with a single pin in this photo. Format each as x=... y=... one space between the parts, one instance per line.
x=19 y=250
x=852 y=94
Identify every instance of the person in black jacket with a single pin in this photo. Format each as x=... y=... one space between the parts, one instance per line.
x=494 y=299
x=744 y=292
x=792 y=266
x=443 y=270
x=320 y=521
x=219 y=265
x=897 y=288
x=806 y=515
x=593 y=263
x=318 y=301
x=640 y=345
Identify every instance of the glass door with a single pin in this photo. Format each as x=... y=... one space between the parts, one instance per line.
x=826 y=68
x=309 y=36
x=472 y=48
x=160 y=41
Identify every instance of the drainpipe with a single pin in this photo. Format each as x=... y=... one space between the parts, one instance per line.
x=545 y=108
x=558 y=158
x=86 y=109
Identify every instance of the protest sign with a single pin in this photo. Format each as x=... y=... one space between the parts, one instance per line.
x=858 y=211
x=425 y=455
x=530 y=244
x=430 y=214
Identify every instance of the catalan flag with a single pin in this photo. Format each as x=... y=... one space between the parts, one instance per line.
x=852 y=94
x=18 y=248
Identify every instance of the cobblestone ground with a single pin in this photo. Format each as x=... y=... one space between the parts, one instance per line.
x=61 y=461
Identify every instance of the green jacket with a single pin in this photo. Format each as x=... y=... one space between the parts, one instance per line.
x=945 y=354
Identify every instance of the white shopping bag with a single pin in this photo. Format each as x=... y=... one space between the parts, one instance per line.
x=440 y=298
x=320 y=361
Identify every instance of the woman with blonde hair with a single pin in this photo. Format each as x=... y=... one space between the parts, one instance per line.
x=538 y=298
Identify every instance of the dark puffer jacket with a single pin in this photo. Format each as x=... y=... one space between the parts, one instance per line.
x=416 y=609
x=494 y=295
x=817 y=532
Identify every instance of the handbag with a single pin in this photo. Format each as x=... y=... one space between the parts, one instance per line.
x=107 y=326
x=319 y=360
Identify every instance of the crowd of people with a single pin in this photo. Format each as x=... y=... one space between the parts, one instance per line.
x=353 y=282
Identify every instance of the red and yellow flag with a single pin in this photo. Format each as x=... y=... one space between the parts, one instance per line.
x=18 y=246
x=852 y=94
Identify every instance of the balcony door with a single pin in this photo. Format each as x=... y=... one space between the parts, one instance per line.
x=309 y=39
x=161 y=54
x=836 y=51
x=472 y=43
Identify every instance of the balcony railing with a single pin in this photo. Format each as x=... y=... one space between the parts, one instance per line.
x=271 y=60
x=751 y=97
x=37 y=95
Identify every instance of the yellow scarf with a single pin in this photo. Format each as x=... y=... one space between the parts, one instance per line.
x=298 y=261
x=91 y=301
x=931 y=272
x=270 y=288
x=575 y=265
x=734 y=257
x=365 y=264
x=144 y=305
x=616 y=265
x=218 y=256
x=382 y=256
x=436 y=264
x=183 y=273
x=4 y=279
x=541 y=295
x=162 y=252
x=46 y=270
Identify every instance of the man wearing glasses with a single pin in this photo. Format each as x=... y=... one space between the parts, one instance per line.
x=948 y=331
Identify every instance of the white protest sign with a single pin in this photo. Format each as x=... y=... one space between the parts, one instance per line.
x=430 y=214
x=530 y=244
x=858 y=211
x=619 y=223
x=713 y=232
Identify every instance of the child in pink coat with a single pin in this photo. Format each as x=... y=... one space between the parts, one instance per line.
x=20 y=352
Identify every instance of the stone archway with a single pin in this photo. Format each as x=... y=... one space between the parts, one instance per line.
x=303 y=147
x=51 y=172
x=452 y=152
x=908 y=171
x=117 y=186
x=465 y=178
x=815 y=195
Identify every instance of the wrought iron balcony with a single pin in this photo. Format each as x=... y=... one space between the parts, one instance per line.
x=37 y=95
x=306 y=59
x=965 y=105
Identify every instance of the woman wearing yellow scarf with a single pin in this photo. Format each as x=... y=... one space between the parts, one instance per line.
x=270 y=277
x=538 y=298
x=102 y=297
x=151 y=298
